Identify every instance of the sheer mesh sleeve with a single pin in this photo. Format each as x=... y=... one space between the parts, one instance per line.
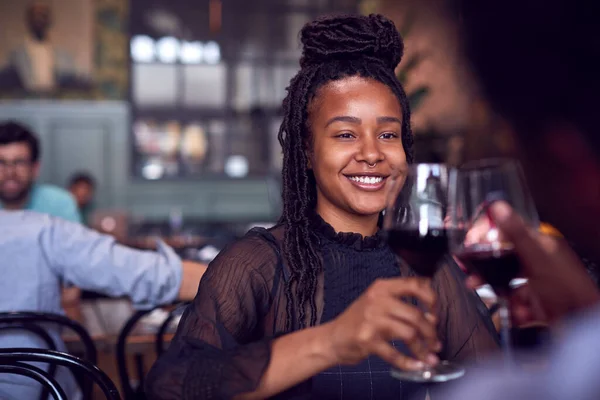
x=465 y=326
x=221 y=348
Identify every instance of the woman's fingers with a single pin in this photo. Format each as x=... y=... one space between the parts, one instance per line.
x=420 y=288
x=388 y=353
x=381 y=315
x=423 y=325
x=391 y=329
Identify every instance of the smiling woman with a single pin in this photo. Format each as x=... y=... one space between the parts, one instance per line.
x=313 y=308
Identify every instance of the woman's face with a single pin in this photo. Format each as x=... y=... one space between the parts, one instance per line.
x=356 y=128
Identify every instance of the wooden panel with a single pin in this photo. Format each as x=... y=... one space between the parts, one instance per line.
x=79 y=145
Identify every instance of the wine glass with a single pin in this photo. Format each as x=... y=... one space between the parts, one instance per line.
x=475 y=240
x=414 y=221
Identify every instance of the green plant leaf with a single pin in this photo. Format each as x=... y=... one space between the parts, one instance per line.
x=408 y=66
x=408 y=23
x=416 y=97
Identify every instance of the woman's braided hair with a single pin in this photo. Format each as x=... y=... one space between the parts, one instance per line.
x=333 y=48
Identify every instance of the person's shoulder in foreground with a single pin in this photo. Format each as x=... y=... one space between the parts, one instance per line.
x=571 y=374
x=53 y=200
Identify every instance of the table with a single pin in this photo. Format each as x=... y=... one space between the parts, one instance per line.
x=104 y=319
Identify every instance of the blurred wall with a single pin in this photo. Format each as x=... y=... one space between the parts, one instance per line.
x=454 y=105
x=434 y=38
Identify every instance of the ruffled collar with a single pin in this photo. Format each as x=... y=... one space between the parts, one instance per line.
x=350 y=239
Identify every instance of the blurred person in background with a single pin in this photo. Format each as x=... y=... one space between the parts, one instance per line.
x=82 y=186
x=40 y=251
x=538 y=63
x=20 y=167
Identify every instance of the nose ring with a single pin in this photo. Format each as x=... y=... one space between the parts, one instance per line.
x=371 y=165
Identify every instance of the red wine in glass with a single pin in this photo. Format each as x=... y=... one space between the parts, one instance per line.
x=422 y=251
x=497 y=265
x=415 y=224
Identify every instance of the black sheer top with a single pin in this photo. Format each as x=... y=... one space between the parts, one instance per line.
x=222 y=344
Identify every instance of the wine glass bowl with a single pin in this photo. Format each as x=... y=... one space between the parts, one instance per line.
x=415 y=217
x=415 y=222
x=475 y=239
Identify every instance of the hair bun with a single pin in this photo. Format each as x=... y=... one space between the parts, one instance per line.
x=351 y=37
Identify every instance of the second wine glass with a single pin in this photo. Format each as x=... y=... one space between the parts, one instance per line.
x=475 y=240
x=415 y=223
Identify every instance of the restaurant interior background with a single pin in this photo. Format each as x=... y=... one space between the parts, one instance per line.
x=174 y=106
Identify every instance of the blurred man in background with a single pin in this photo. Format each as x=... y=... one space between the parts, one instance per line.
x=19 y=169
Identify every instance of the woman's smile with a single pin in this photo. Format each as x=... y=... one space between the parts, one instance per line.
x=371 y=182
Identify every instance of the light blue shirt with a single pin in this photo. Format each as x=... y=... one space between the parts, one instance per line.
x=37 y=251
x=572 y=372
x=49 y=199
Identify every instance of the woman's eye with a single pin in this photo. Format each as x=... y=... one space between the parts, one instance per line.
x=345 y=135
x=388 y=135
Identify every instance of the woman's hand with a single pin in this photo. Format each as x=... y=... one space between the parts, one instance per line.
x=379 y=316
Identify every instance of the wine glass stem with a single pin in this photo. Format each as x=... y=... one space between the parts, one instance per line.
x=505 y=337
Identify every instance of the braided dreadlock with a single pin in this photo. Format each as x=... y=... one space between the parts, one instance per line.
x=333 y=48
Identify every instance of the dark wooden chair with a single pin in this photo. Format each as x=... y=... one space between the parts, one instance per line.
x=19 y=356
x=137 y=393
x=45 y=337
x=34 y=321
x=130 y=392
x=160 y=335
x=51 y=387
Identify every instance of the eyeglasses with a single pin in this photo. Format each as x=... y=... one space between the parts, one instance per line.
x=17 y=164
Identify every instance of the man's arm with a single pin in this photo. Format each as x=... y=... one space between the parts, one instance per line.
x=192 y=273
x=93 y=261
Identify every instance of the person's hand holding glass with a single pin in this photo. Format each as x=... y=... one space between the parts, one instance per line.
x=474 y=237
